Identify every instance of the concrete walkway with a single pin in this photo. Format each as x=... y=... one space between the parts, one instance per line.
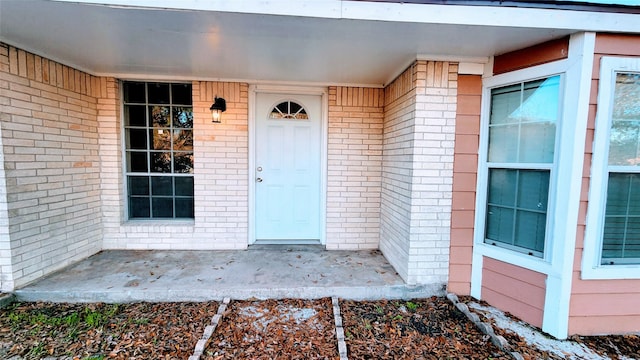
x=261 y=272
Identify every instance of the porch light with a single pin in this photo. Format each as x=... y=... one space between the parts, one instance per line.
x=219 y=106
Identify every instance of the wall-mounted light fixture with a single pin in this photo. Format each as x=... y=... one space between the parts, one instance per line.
x=219 y=106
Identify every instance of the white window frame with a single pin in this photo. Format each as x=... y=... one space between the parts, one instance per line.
x=592 y=253
x=502 y=253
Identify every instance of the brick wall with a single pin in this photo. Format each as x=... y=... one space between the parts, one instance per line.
x=419 y=134
x=51 y=208
x=220 y=179
x=354 y=167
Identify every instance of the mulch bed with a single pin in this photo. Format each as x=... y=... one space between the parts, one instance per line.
x=103 y=331
x=417 y=329
x=275 y=329
x=612 y=346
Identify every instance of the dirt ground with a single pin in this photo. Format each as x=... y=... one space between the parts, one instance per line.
x=272 y=329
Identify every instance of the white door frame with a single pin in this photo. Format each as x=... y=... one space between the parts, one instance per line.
x=324 y=126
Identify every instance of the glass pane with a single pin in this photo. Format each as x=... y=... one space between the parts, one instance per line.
x=135 y=115
x=183 y=140
x=184 y=208
x=626 y=98
x=537 y=142
x=136 y=139
x=139 y=207
x=499 y=225
x=533 y=190
x=161 y=139
x=162 y=207
x=162 y=185
x=158 y=93
x=184 y=185
x=137 y=161
x=181 y=94
x=530 y=229
x=502 y=187
x=161 y=162
x=504 y=102
x=134 y=92
x=138 y=185
x=613 y=238
x=183 y=117
x=540 y=101
x=624 y=142
x=503 y=143
x=618 y=194
x=183 y=163
x=159 y=116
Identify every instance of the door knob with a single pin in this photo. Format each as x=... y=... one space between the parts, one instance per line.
x=258 y=179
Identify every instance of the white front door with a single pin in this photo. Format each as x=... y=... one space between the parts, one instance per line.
x=287 y=168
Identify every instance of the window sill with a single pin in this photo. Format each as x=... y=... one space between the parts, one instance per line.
x=512 y=257
x=160 y=223
x=611 y=272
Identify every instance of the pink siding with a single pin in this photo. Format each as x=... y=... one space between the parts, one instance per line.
x=514 y=289
x=464 y=183
x=534 y=55
x=602 y=306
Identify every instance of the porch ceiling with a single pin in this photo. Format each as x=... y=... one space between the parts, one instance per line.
x=197 y=43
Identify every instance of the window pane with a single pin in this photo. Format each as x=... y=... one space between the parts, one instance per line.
x=183 y=163
x=621 y=238
x=503 y=144
x=504 y=102
x=138 y=185
x=500 y=224
x=184 y=208
x=183 y=140
x=184 y=186
x=522 y=124
x=502 y=187
x=158 y=93
x=537 y=142
x=139 y=207
x=134 y=92
x=136 y=139
x=624 y=143
x=516 y=211
x=161 y=162
x=161 y=139
x=181 y=94
x=183 y=117
x=530 y=230
x=161 y=185
x=162 y=207
x=137 y=161
x=533 y=190
x=160 y=116
x=135 y=115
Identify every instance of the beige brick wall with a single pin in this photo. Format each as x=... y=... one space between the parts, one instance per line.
x=50 y=213
x=354 y=167
x=220 y=178
x=419 y=135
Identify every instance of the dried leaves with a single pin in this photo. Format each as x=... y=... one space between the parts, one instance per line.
x=275 y=329
x=125 y=331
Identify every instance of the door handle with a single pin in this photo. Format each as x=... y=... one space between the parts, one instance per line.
x=258 y=179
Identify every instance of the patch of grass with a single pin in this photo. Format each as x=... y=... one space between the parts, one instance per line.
x=141 y=321
x=95 y=357
x=37 y=351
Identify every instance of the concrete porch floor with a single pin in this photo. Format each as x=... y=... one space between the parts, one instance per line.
x=261 y=272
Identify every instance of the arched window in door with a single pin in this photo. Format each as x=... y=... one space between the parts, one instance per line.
x=289 y=110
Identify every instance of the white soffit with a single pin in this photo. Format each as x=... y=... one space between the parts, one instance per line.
x=321 y=41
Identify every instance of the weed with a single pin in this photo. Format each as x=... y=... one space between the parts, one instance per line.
x=95 y=357
x=379 y=310
x=141 y=321
x=93 y=318
x=37 y=351
x=397 y=317
x=411 y=306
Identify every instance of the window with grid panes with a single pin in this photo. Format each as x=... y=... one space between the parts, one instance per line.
x=522 y=137
x=158 y=129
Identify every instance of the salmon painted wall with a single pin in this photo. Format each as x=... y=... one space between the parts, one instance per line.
x=602 y=306
x=514 y=289
x=534 y=55
x=465 y=169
